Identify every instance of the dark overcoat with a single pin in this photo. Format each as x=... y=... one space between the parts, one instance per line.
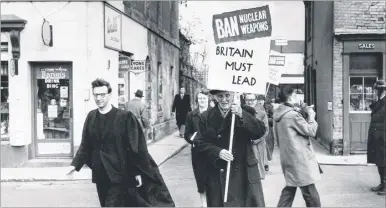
x=376 y=146
x=198 y=164
x=245 y=187
x=182 y=108
x=124 y=156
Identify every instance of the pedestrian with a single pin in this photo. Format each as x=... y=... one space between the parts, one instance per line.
x=138 y=108
x=268 y=107
x=376 y=144
x=181 y=106
x=245 y=189
x=259 y=148
x=298 y=160
x=114 y=147
x=191 y=128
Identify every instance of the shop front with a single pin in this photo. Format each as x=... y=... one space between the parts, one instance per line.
x=364 y=63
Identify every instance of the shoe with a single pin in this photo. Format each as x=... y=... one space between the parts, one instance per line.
x=378 y=188
x=266 y=167
x=382 y=192
x=181 y=135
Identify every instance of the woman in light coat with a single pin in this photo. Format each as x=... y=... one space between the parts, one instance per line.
x=298 y=160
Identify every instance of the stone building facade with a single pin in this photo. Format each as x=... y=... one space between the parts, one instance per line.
x=344 y=56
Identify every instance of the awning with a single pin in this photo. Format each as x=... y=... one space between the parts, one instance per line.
x=292 y=80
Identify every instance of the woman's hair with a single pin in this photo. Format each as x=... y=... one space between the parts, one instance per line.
x=204 y=92
x=101 y=83
x=286 y=91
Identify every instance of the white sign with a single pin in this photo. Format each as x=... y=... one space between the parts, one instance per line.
x=113 y=29
x=281 y=41
x=238 y=60
x=137 y=67
x=52 y=111
x=274 y=75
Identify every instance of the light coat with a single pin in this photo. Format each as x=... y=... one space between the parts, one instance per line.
x=298 y=160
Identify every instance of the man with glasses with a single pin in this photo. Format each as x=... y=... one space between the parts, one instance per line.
x=114 y=147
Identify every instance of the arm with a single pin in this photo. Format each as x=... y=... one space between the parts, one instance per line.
x=85 y=148
x=266 y=125
x=303 y=127
x=190 y=107
x=145 y=116
x=189 y=131
x=133 y=145
x=250 y=125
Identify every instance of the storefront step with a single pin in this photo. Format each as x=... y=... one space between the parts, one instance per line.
x=39 y=163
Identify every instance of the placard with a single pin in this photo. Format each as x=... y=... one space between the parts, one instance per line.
x=63 y=92
x=274 y=75
x=238 y=58
x=113 y=28
x=52 y=111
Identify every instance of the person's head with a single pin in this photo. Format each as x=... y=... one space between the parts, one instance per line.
x=182 y=90
x=261 y=99
x=288 y=94
x=202 y=98
x=101 y=90
x=379 y=87
x=139 y=94
x=223 y=98
x=250 y=99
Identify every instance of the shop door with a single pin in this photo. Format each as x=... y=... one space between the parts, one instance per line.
x=364 y=72
x=53 y=126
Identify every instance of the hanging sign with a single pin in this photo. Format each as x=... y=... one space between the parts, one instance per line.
x=113 y=28
x=137 y=66
x=238 y=61
x=47 y=33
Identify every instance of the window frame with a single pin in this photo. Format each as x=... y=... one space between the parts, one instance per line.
x=362 y=93
x=5 y=137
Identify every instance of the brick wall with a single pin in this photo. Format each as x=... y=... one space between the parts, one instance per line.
x=337 y=94
x=356 y=16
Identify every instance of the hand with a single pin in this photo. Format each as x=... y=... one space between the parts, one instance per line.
x=311 y=114
x=236 y=109
x=70 y=170
x=139 y=180
x=226 y=155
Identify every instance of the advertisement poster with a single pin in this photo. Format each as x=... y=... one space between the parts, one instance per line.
x=63 y=92
x=52 y=111
x=113 y=26
x=238 y=59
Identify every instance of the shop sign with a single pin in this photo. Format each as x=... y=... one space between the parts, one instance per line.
x=366 y=46
x=276 y=60
x=113 y=28
x=52 y=76
x=124 y=63
x=137 y=66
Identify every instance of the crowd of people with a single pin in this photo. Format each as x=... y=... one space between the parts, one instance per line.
x=114 y=146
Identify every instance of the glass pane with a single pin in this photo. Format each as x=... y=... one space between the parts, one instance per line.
x=369 y=99
x=4 y=107
x=356 y=103
x=365 y=61
x=356 y=85
x=369 y=83
x=53 y=103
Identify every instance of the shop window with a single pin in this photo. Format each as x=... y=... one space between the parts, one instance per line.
x=123 y=80
x=4 y=102
x=366 y=63
x=362 y=93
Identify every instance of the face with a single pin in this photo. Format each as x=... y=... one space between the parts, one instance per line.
x=182 y=90
x=202 y=100
x=250 y=100
x=294 y=98
x=224 y=99
x=101 y=96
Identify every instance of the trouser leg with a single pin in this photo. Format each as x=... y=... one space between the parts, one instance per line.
x=287 y=196
x=102 y=189
x=311 y=196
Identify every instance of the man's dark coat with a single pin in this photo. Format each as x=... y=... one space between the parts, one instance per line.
x=124 y=155
x=245 y=187
x=376 y=143
x=182 y=108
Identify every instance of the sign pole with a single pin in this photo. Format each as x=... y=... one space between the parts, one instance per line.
x=267 y=89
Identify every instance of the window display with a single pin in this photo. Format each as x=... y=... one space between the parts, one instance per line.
x=362 y=93
x=4 y=101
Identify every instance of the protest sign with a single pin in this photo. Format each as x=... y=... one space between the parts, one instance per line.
x=238 y=58
x=274 y=75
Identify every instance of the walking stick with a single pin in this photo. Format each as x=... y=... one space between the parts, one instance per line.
x=230 y=149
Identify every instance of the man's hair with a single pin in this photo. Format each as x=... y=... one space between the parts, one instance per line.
x=204 y=92
x=245 y=95
x=285 y=92
x=101 y=83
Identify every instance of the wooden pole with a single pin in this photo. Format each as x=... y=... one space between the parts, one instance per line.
x=267 y=89
x=230 y=150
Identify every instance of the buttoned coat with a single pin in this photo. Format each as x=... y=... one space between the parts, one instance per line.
x=124 y=156
x=245 y=183
x=376 y=146
x=181 y=107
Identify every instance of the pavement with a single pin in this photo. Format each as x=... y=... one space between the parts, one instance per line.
x=160 y=150
x=341 y=186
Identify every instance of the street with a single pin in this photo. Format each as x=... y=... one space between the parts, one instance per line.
x=341 y=186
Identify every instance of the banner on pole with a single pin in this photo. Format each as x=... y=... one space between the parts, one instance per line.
x=239 y=56
x=274 y=75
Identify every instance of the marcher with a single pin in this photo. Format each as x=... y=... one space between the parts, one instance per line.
x=245 y=189
x=270 y=138
x=376 y=144
x=181 y=105
x=259 y=148
x=138 y=108
x=114 y=147
x=298 y=160
x=191 y=127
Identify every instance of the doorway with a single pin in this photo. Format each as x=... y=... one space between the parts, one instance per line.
x=52 y=109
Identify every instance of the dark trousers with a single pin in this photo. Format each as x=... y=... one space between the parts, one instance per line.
x=111 y=195
x=382 y=174
x=310 y=195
